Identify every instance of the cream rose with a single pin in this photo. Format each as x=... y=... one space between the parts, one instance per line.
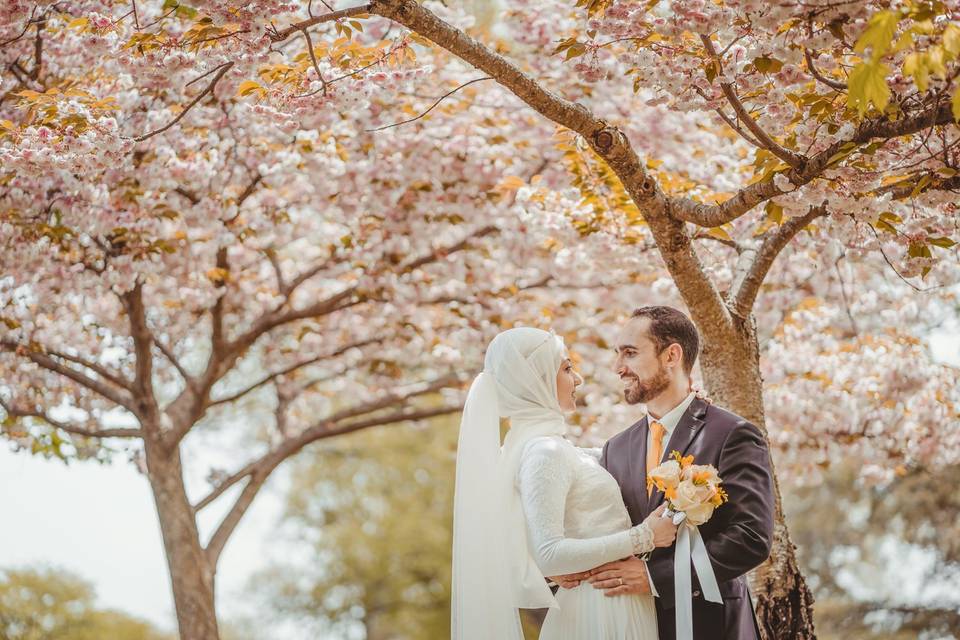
x=686 y=496
x=667 y=474
x=699 y=514
x=690 y=494
x=701 y=473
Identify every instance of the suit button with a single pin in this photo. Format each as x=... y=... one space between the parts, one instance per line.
x=696 y=593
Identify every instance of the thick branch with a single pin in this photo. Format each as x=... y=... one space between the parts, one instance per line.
x=143 y=350
x=330 y=425
x=745 y=289
x=261 y=470
x=752 y=195
x=609 y=142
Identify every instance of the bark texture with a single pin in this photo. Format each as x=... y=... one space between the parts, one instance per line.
x=191 y=576
x=731 y=371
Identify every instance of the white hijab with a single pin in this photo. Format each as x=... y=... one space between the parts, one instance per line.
x=493 y=571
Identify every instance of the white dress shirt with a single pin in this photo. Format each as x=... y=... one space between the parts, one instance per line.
x=669 y=422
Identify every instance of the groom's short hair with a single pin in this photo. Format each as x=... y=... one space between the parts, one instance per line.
x=668 y=326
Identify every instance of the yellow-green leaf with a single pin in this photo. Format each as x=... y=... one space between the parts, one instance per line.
x=951 y=40
x=955 y=104
x=774 y=211
x=575 y=50
x=868 y=85
x=719 y=232
x=247 y=87
x=944 y=242
x=935 y=62
x=878 y=34
x=914 y=66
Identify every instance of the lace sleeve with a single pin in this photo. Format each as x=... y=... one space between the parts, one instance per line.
x=546 y=474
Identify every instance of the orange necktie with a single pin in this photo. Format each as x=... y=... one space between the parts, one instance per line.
x=655 y=452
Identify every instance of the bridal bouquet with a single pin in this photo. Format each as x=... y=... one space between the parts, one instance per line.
x=692 y=491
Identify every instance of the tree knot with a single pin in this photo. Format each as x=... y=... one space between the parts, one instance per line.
x=603 y=139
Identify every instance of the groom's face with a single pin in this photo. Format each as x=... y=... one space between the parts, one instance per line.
x=639 y=366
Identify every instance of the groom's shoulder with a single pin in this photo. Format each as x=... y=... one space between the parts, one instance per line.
x=724 y=422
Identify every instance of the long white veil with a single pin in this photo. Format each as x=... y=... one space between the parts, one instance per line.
x=493 y=571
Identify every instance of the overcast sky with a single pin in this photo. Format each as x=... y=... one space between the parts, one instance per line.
x=99 y=522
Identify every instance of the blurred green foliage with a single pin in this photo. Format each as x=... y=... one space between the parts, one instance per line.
x=46 y=604
x=373 y=510
x=862 y=547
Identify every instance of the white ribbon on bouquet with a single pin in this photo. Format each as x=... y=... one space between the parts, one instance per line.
x=690 y=546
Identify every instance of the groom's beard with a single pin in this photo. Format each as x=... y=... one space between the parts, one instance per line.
x=648 y=389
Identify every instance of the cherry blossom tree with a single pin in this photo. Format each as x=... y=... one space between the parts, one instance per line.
x=240 y=266
x=202 y=204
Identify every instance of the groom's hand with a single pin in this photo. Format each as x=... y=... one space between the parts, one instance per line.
x=621 y=577
x=570 y=580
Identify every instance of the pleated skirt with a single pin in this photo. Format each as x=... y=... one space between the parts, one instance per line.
x=586 y=614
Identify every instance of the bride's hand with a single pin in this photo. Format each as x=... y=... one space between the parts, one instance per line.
x=664 y=531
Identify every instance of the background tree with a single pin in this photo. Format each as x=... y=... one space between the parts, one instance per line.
x=372 y=512
x=45 y=604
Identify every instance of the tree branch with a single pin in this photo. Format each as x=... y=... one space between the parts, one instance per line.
x=209 y=90
x=15 y=412
x=791 y=158
x=833 y=84
x=750 y=196
x=26 y=27
x=905 y=189
x=270 y=462
x=293 y=367
x=280 y=36
x=609 y=142
x=330 y=426
x=744 y=291
x=122 y=398
x=143 y=350
x=260 y=470
x=100 y=370
x=431 y=107
x=172 y=359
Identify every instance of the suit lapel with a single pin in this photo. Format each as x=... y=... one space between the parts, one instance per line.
x=686 y=431
x=638 y=465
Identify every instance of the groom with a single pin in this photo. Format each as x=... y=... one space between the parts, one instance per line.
x=656 y=351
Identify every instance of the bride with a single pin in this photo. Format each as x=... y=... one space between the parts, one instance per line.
x=538 y=506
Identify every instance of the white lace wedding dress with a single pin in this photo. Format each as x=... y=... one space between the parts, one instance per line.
x=576 y=520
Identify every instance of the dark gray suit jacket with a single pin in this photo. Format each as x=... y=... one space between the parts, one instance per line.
x=739 y=534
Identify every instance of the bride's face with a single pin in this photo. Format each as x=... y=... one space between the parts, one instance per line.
x=567 y=382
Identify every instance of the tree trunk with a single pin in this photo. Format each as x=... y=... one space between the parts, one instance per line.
x=191 y=575
x=731 y=374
